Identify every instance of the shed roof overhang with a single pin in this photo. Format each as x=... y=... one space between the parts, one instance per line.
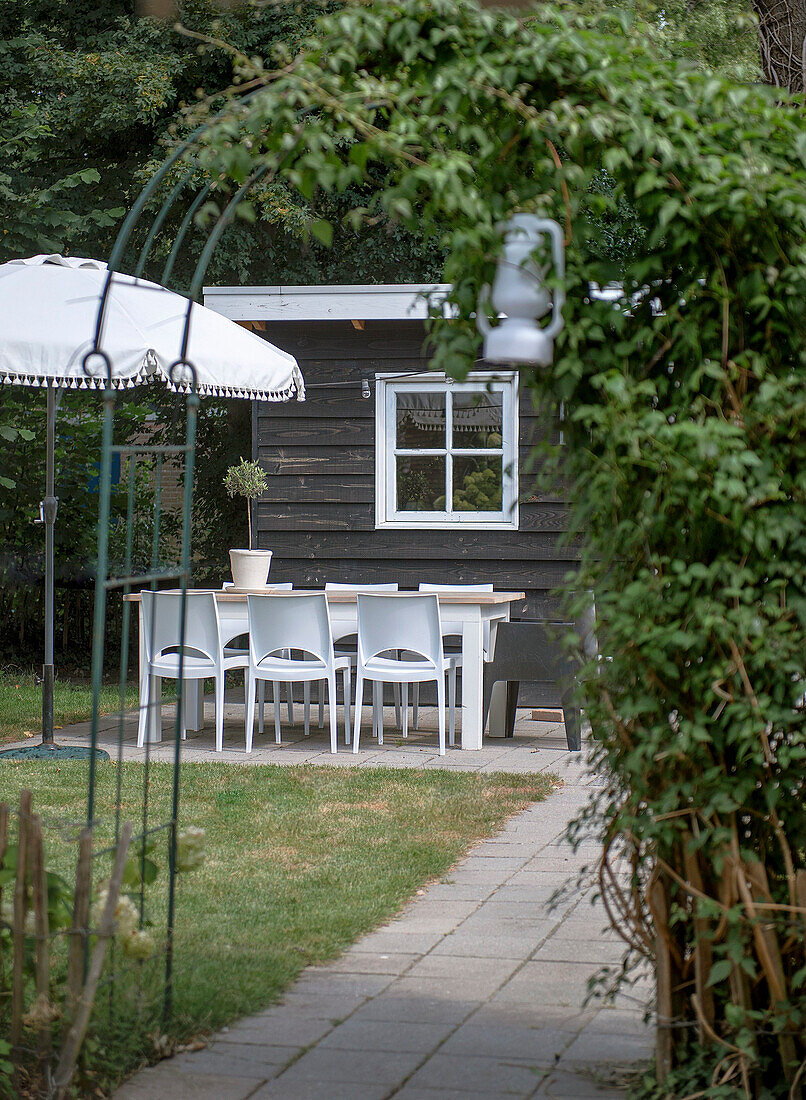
x=382 y=302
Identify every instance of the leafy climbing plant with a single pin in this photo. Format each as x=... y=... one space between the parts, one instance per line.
x=685 y=441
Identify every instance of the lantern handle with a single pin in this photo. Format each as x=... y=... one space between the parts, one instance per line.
x=482 y=321
x=553 y=229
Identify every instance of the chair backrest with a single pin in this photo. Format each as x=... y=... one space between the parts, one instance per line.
x=405 y=622
x=162 y=623
x=290 y=622
x=339 y=586
x=425 y=587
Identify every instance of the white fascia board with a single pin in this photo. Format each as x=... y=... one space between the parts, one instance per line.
x=372 y=302
x=384 y=302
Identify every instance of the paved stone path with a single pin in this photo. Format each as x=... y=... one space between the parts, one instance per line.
x=474 y=991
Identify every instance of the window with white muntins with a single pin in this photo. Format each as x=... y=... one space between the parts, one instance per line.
x=446 y=452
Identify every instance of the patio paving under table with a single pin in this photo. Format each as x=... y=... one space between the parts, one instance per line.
x=536 y=746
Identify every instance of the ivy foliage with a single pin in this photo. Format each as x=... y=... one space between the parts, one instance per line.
x=92 y=100
x=720 y=36
x=686 y=437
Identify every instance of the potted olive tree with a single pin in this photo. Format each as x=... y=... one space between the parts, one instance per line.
x=250 y=568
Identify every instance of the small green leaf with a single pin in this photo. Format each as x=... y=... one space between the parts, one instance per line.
x=323 y=231
x=719 y=972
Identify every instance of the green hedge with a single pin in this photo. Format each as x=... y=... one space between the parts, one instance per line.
x=686 y=440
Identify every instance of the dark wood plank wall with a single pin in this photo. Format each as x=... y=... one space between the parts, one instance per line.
x=319 y=514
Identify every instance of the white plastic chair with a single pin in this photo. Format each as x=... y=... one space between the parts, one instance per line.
x=232 y=628
x=279 y=626
x=450 y=630
x=410 y=624
x=202 y=654
x=351 y=652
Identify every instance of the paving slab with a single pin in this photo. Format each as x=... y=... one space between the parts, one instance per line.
x=390 y=1035
x=534 y=1045
x=475 y=990
x=371 y=1067
x=158 y=1083
x=430 y=1010
x=564 y=1085
x=315 y=1090
x=257 y=1062
x=485 y=1074
x=275 y=1031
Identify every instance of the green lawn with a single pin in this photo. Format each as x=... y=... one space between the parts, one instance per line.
x=301 y=862
x=21 y=704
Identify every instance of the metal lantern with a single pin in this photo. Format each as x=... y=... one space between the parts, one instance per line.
x=519 y=293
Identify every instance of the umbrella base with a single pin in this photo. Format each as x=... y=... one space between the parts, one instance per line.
x=44 y=751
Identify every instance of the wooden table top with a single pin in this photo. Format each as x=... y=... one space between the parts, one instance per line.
x=226 y=595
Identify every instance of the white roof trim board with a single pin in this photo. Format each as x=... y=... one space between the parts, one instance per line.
x=371 y=302
x=382 y=302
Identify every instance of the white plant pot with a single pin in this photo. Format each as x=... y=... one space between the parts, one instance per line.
x=250 y=568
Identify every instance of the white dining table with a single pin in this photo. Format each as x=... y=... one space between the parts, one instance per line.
x=465 y=612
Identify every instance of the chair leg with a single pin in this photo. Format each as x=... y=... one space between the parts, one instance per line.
x=415 y=706
x=277 y=704
x=377 y=710
x=359 y=706
x=452 y=705
x=186 y=687
x=347 y=703
x=331 y=702
x=573 y=727
x=250 y=687
x=486 y=694
x=441 y=707
x=219 y=713
x=307 y=696
x=404 y=688
x=290 y=693
x=396 y=696
x=261 y=702
x=276 y=688
x=145 y=708
x=321 y=705
x=513 y=687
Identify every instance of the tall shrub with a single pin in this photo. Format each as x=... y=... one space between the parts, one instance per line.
x=686 y=443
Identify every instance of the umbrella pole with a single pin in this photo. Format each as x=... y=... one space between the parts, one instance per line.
x=49 y=507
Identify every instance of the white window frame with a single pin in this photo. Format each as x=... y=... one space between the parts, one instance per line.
x=387 y=386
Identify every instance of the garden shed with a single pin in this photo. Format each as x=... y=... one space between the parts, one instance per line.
x=388 y=471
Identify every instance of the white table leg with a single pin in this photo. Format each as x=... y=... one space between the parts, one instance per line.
x=472 y=673
x=193 y=704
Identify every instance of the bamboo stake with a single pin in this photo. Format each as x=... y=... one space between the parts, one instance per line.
x=739 y=984
x=78 y=927
x=3 y=846
x=40 y=893
x=703 y=955
x=800 y=892
x=20 y=909
x=78 y=1028
x=663 y=976
x=768 y=952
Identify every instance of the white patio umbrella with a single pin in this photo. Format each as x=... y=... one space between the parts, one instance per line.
x=49 y=308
